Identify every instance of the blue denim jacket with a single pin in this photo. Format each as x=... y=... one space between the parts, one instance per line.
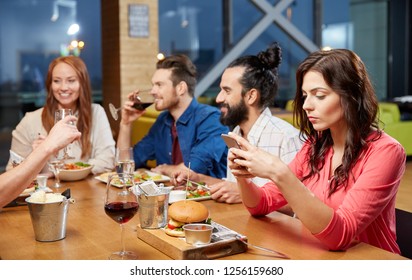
x=199 y=131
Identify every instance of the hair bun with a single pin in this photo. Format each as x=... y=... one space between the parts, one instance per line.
x=271 y=57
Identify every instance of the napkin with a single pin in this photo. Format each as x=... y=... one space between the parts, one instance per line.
x=149 y=188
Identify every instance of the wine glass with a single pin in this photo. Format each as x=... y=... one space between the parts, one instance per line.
x=114 y=111
x=60 y=114
x=142 y=100
x=56 y=163
x=124 y=160
x=121 y=205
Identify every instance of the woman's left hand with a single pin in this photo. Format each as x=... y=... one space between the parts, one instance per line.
x=40 y=139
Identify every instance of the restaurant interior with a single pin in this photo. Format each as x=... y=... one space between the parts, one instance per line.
x=120 y=41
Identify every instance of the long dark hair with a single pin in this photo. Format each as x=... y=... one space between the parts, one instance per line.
x=83 y=104
x=261 y=73
x=346 y=74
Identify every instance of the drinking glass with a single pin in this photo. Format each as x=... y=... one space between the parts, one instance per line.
x=41 y=180
x=56 y=163
x=142 y=100
x=124 y=160
x=60 y=114
x=121 y=205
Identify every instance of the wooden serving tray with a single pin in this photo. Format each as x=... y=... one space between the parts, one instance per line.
x=178 y=249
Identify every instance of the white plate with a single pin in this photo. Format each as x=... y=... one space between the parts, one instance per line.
x=194 y=199
x=27 y=192
x=200 y=198
x=20 y=200
x=157 y=178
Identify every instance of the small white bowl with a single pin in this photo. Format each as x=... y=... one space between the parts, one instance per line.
x=198 y=234
x=75 y=174
x=176 y=196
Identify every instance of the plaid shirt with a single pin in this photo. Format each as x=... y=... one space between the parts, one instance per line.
x=273 y=135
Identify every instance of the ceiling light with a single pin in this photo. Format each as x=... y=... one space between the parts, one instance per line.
x=73 y=29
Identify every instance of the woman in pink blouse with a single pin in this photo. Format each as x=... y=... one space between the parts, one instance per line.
x=342 y=184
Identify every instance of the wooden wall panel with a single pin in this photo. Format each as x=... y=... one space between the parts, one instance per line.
x=128 y=62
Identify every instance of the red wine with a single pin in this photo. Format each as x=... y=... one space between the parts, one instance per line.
x=141 y=106
x=121 y=212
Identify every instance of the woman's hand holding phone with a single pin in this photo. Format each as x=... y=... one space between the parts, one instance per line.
x=236 y=168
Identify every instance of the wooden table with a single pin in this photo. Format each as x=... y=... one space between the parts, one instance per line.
x=93 y=235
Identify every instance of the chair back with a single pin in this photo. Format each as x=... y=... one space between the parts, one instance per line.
x=289 y=105
x=389 y=112
x=404 y=232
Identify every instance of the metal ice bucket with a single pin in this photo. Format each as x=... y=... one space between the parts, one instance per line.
x=49 y=219
x=153 y=209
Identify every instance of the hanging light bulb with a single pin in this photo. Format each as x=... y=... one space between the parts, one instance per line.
x=160 y=56
x=81 y=44
x=74 y=44
x=73 y=29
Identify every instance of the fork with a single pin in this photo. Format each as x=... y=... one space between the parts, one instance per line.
x=278 y=254
x=198 y=184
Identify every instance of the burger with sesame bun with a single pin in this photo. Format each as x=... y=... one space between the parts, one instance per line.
x=185 y=212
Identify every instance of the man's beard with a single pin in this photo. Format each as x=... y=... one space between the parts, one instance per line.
x=235 y=114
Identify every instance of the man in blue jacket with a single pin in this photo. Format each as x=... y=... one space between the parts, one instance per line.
x=186 y=132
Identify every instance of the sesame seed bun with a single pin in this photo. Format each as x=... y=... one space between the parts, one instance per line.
x=188 y=211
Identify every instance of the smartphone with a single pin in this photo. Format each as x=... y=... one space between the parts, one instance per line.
x=230 y=142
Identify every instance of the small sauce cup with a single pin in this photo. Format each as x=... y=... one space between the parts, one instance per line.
x=198 y=234
x=176 y=196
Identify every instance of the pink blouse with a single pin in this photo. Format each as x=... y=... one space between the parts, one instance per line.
x=365 y=211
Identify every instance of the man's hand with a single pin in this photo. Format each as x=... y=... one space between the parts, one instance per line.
x=169 y=169
x=130 y=114
x=226 y=192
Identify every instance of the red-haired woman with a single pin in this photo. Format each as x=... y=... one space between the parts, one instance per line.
x=68 y=87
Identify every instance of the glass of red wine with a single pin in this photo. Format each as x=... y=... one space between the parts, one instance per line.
x=143 y=99
x=121 y=205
